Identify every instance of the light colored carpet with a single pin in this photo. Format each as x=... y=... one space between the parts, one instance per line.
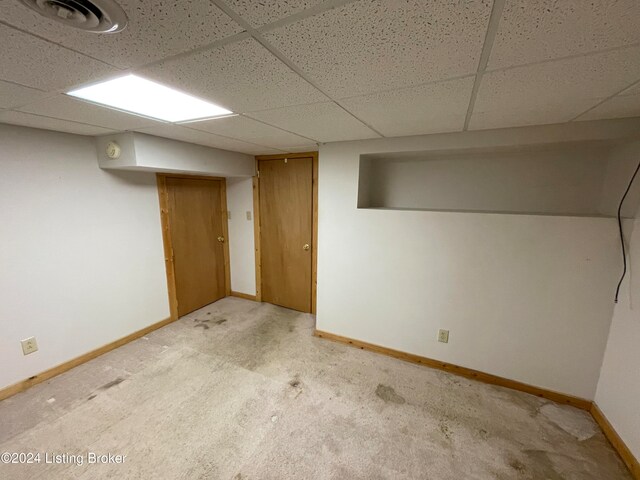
x=241 y=390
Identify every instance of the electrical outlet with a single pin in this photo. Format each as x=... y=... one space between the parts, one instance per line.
x=443 y=336
x=29 y=345
x=248 y=215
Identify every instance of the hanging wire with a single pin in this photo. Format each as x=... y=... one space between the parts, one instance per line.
x=624 y=252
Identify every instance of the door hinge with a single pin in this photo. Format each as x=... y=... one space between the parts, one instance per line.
x=258 y=173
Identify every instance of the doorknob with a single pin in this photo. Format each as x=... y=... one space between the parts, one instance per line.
x=306 y=247
x=221 y=239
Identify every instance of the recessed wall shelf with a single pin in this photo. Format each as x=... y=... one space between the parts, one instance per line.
x=567 y=179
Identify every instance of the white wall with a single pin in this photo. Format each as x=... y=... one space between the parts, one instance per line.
x=622 y=162
x=618 y=394
x=525 y=297
x=81 y=253
x=241 y=236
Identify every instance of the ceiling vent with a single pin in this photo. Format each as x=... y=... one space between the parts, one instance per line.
x=97 y=16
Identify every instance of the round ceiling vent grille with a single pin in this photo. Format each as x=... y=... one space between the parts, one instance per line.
x=98 y=16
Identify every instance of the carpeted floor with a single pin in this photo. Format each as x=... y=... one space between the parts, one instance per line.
x=242 y=390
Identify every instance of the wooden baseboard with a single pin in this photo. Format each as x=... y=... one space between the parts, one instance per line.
x=627 y=456
x=618 y=444
x=462 y=371
x=246 y=296
x=63 y=367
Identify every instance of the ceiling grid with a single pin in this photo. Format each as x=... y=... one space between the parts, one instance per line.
x=300 y=72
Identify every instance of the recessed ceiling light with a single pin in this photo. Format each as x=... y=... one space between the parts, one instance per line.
x=138 y=95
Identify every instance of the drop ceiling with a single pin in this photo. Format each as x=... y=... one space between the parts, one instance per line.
x=303 y=72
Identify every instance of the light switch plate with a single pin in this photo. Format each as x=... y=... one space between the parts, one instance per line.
x=29 y=345
x=248 y=215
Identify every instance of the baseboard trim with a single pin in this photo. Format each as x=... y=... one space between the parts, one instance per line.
x=461 y=371
x=616 y=441
x=246 y=296
x=63 y=367
x=618 y=444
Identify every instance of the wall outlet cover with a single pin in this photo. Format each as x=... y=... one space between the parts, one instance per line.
x=443 y=336
x=29 y=345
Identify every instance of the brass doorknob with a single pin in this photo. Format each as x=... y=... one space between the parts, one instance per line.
x=221 y=239
x=306 y=247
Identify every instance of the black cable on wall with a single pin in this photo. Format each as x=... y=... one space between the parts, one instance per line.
x=624 y=252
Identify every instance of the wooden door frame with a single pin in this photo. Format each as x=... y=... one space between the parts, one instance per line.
x=163 y=195
x=314 y=216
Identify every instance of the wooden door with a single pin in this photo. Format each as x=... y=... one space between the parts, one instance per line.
x=195 y=215
x=286 y=231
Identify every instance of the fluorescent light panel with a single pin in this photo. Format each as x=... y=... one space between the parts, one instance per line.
x=144 y=97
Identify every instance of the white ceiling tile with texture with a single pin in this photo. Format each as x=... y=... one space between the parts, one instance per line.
x=365 y=47
x=432 y=108
x=68 y=108
x=626 y=104
x=33 y=62
x=249 y=130
x=537 y=30
x=258 y=13
x=185 y=134
x=242 y=77
x=12 y=95
x=35 y=121
x=323 y=122
x=552 y=92
x=156 y=29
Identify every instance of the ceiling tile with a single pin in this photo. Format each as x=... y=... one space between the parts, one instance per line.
x=67 y=108
x=262 y=13
x=634 y=90
x=364 y=47
x=189 y=135
x=433 y=108
x=536 y=30
x=12 y=95
x=242 y=76
x=156 y=29
x=46 y=123
x=248 y=130
x=543 y=115
x=32 y=62
x=552 y=92
x=323 y=122
x=627 y=104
